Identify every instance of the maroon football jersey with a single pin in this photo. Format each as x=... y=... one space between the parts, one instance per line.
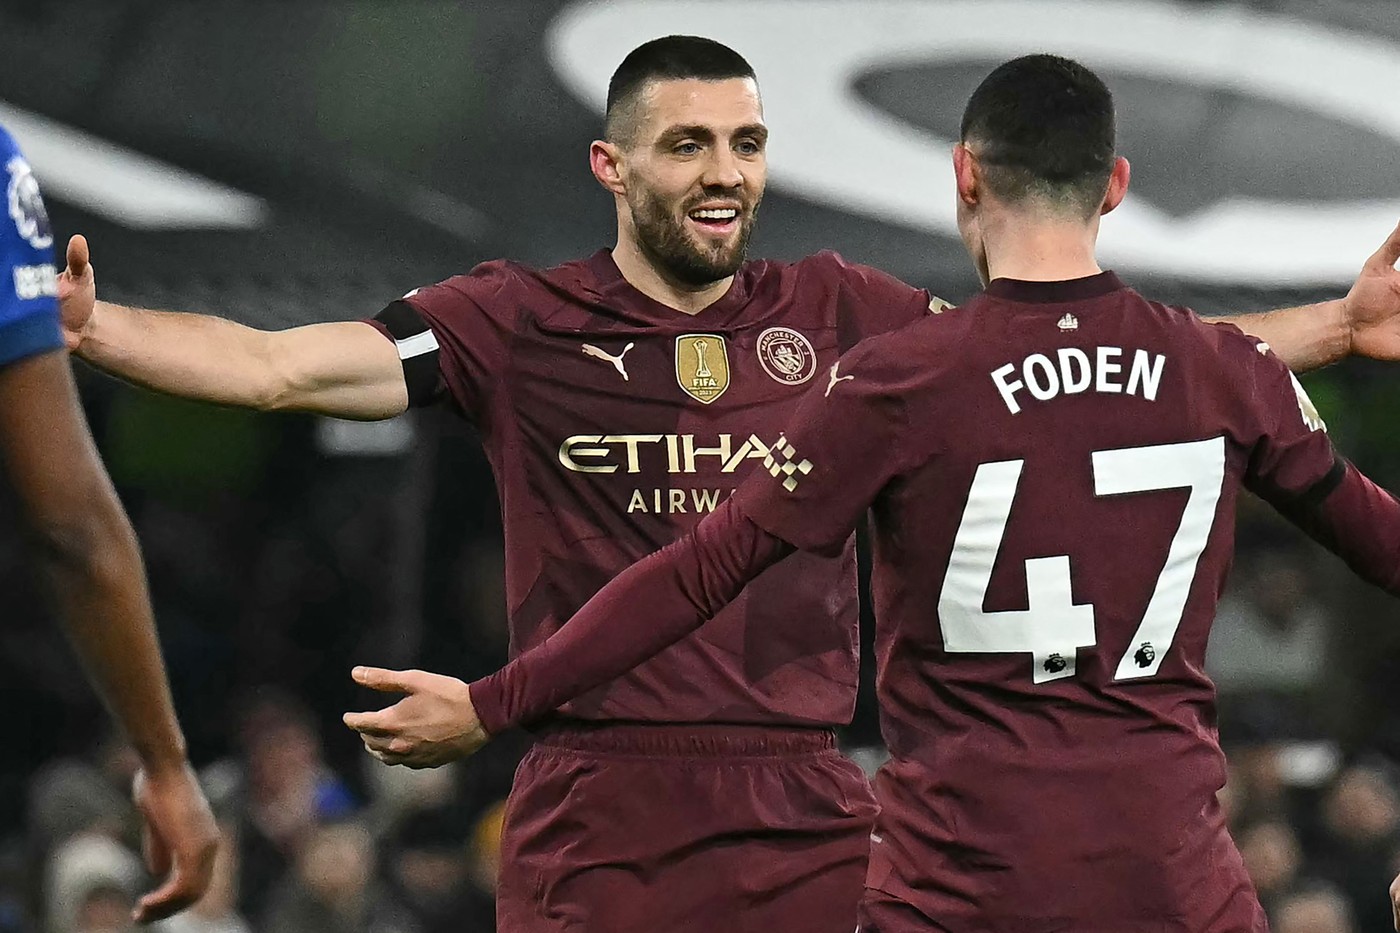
x=613 y=423
x=1052 y=522
x=1052 y=473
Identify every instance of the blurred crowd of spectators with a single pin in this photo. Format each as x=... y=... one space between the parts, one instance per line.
x=283 y=550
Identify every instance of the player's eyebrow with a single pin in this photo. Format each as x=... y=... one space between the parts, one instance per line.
x=699 y=131
x=679 y=131
x=757 y=131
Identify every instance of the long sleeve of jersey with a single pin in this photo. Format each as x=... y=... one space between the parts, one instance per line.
x=648 y=607
x=1355 y=519
x=1295 y=469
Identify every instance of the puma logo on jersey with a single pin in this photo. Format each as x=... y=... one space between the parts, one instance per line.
x=835 y=379
x=590 y=350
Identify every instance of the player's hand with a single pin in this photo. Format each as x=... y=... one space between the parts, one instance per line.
x=1395 y=901
x=77 y=293
x=180 y=839
x=434 y=724
x=1373 y=304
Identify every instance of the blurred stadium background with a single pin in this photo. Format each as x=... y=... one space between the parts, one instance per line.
x=291 y=161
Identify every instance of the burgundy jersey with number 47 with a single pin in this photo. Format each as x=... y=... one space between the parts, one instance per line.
x=1053 y=520
x=1052 y=473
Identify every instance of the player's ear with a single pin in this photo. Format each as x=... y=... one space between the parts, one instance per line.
x=606 y=161
x=965 y=170
x=1117 y=184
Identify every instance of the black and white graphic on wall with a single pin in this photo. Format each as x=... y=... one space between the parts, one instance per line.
x=834 y=146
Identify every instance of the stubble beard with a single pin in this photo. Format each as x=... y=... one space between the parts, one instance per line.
x=669 y=246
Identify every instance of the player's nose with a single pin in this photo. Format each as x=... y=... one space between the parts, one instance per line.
x=723 y=171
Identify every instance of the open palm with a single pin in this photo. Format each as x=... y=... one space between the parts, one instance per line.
x=1373 y=304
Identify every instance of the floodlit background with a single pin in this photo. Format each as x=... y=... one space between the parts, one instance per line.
x=293 y=161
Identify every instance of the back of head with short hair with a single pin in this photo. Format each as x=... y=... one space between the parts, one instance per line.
x=669 y=58
x=1043 y=130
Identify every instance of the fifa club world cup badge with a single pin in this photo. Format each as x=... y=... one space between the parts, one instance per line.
x=786 y=355
x=702 y=366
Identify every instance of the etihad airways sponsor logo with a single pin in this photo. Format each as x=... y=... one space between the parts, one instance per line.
x=675 y=501
x=677 y=453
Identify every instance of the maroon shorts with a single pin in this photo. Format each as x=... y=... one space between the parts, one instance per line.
x=885 y=913
x=672 y=829
x=1201 y=887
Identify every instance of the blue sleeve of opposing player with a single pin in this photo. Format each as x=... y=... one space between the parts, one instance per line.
x=29 y=322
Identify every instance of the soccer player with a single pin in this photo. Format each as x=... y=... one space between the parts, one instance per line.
x=86 y=546
x=1052 y=472
x=619 y=398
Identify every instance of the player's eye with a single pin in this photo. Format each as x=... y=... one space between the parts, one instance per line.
x=749 y=147
x=687 y=148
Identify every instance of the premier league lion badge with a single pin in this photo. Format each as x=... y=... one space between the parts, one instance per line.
x=26 y=206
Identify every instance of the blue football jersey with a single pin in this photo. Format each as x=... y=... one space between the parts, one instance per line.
x=28 y=280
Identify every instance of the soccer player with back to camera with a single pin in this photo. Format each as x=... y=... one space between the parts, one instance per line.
x=86 y=546
x=1051 y=472
x=619 y=398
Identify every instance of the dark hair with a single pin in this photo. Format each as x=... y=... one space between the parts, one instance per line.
x=1042 y=127
x=666 y=59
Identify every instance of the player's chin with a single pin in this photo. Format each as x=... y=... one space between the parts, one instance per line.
x=723 y=255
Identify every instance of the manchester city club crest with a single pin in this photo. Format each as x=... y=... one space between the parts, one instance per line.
x=702 y=366
x=786 y=355
x=26 y=206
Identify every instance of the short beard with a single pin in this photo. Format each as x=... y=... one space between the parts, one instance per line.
x=665 y=242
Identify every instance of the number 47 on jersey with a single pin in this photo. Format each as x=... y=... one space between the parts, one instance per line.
x=1054 y=627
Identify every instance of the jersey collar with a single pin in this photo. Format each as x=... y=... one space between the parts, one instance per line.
x=1092 y=286
x=611 y=284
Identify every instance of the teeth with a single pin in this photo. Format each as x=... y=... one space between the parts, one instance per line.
x=726 y=214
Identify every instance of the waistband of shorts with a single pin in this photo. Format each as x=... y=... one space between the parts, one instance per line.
x=686 y=740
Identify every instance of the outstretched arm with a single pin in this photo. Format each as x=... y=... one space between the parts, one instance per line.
x=809 y=494
x=90 y=559
x=1366 y=322
x=645 y=609
x=344 y=369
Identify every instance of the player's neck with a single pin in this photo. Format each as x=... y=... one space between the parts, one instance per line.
x=642 y=275
x=1033 y=249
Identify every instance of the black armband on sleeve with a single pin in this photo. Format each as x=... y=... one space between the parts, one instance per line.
x=418 y=351
x=1316 y=494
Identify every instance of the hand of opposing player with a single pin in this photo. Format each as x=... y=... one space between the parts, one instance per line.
x=434 y=724
x=180 y=840
x=77 y=293
x=1395 y=901
x=1373 y=304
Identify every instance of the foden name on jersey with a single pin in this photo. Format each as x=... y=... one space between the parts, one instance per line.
x=1072 y=370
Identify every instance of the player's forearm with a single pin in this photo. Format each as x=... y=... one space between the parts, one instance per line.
x=647 y=608
x=189 y=355
x=344 y=369
x=94 y=571
x=1306 y=337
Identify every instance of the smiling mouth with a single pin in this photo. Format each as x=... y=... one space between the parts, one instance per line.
x=716 y=220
